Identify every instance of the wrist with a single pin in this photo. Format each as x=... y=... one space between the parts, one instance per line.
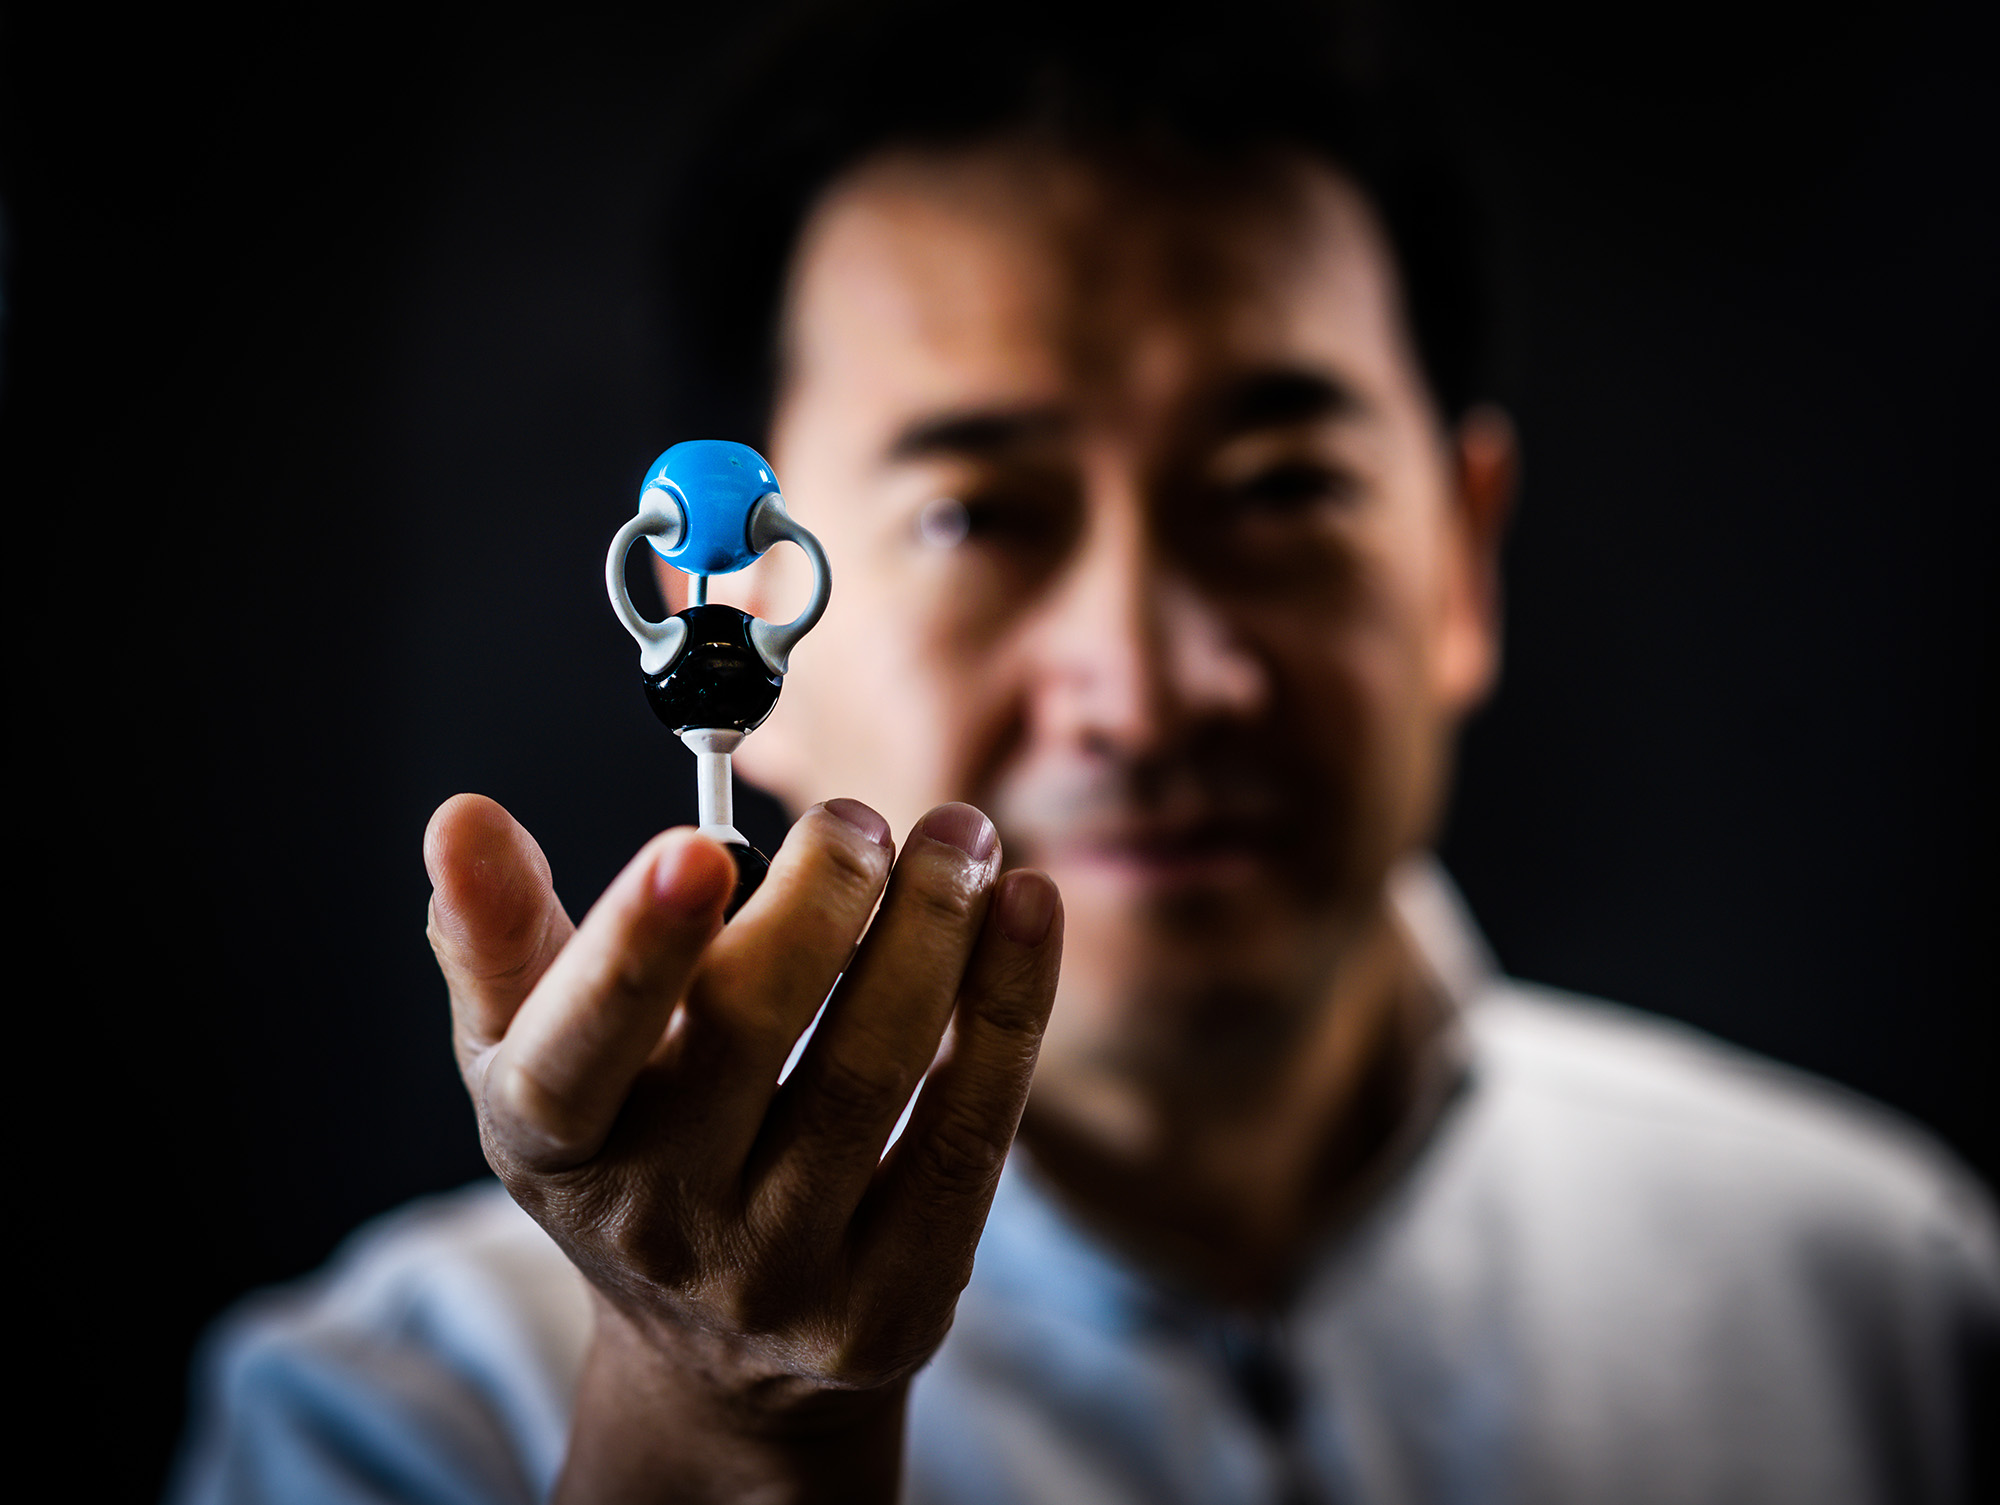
x=655 y=1421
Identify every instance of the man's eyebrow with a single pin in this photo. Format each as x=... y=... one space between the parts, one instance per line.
x=1274 y=398
x=976 y=432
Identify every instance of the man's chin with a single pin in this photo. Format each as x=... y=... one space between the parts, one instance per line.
x=1166 y=964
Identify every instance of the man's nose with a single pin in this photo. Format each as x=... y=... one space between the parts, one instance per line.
x=1130 y=653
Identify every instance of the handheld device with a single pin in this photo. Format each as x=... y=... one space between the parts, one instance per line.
x=712 y=673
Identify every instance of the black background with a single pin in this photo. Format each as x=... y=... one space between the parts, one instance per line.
x=327 y=378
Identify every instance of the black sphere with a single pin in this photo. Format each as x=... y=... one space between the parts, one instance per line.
x=717 y=679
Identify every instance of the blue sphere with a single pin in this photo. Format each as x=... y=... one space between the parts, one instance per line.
x=716 y=483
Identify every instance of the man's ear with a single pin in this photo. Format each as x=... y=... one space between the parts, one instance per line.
x=1486 y=459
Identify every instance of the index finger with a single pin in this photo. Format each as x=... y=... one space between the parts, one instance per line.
x=495 y=922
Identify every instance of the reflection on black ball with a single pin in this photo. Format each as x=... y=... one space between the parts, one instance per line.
x=717 y=679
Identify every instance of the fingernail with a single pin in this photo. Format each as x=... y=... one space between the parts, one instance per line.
x=682 y=882
x=1025 y=904
x=859 y=816
x=963 y=827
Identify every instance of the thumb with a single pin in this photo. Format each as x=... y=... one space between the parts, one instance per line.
x=495 y=921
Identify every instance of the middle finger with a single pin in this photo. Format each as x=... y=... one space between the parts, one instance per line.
x=827 y=1127
x=768 y=972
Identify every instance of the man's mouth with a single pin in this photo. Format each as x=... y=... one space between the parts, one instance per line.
x=1211 y=853
x=1193 y=825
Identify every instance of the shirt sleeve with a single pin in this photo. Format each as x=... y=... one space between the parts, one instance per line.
x=287 y=1413
x=432 y=1363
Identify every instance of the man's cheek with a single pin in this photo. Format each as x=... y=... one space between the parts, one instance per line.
x=1338 y=762
x=975 y=721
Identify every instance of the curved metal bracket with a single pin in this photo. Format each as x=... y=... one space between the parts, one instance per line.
x=660 y=518
x=770 y=524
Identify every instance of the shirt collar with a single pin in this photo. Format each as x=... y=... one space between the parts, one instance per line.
x=1034 y=1250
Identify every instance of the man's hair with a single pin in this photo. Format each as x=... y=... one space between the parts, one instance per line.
x=832 y=83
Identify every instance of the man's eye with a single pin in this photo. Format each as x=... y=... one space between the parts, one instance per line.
x=1293 y=486
x=1008 y=521
x=944 y=523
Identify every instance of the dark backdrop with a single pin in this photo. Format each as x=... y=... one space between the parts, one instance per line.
x=327 y=379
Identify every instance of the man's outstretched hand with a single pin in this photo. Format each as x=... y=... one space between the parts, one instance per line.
x=766 y=1281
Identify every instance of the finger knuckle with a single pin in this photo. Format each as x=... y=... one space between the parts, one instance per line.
x=853 y=866
x=630 y=983
x=628 y=1233
x=944 y=901
x=538 y=1125
x=635 y=1236
x=513 y=957
x=1018 y=1013
x=961 y=1157
x=851 y=1091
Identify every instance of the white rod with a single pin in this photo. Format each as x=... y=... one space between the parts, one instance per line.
x=697 y=590
x=714 y=792
x=714 y=783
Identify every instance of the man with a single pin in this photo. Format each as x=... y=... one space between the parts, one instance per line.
x=1129 y=390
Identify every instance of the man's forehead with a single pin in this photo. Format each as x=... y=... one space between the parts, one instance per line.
x=1013 y=277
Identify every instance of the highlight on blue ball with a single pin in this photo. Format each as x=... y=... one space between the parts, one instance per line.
x=716 y=483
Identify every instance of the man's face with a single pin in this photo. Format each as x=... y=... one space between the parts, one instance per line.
x=1147 y=540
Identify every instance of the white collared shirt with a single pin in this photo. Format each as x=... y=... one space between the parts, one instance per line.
x=1628 y=1264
